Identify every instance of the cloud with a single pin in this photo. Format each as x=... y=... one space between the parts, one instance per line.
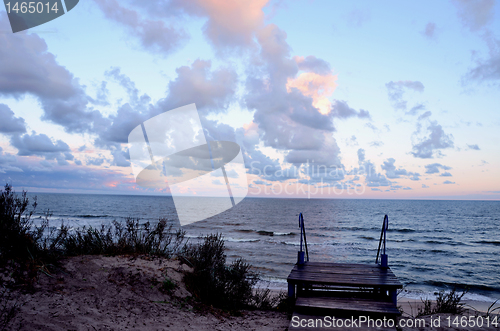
x=434 y=168
x=96 y=161
x=285 y=117
x=26 y=67
x=396 y=90
x=376 y=143
x=446 y=174
x=230 y=25
x=415 y=109
x=369 y=171
x=475 y=14
x=8 y=162
x=352 y=141
x=39 y=144
x=433 y=143
x=391 y=171
x=486 y=70
x=197 y=84
x=154 y=35
x=9 y=123
x=448 y=182
x=313 y=64
x=361 y=155
x=430 y=30
x=474 y=147
x=340 y=109
x=425 y=115
x=424 y=186
x=318 y=87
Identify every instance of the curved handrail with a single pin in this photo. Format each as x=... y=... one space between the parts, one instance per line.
x=385 y=226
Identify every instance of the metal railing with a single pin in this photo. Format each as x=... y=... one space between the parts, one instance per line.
x=303 y=234
x=382 y=240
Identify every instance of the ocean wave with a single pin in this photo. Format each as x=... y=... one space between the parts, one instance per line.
x=488 y=242
x=90 y=216
x=272 y=233
x=240 y=240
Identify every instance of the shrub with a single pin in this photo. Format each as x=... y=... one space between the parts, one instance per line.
x=24 y=248
x=446 y=303
x=214 y=283
x=129 y=238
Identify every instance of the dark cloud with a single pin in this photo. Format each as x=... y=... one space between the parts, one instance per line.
x=340 y=109
x=432 y=144
x=8 y=162
x=154 y=35
x=31 y=173
x=434 y=168
x=9 y=123
x=39 y=144
x=474 y=147
x=26 y=67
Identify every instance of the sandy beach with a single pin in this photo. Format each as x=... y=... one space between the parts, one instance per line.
x=124 y=293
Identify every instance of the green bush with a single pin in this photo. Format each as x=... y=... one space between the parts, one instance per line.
x=25 y=249
x=128 y=238
x=446 y=303
x=214 y=283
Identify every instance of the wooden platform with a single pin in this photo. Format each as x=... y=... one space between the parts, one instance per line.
x=343 y=290
x=347 y=306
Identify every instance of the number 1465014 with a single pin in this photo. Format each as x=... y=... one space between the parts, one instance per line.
x=31 y=7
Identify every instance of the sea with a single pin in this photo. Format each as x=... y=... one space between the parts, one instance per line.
x=432 y=245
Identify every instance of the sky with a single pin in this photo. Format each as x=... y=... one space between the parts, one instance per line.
x=327 y=99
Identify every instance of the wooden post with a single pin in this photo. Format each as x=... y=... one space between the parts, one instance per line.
x=291 y=290
x=394 y=297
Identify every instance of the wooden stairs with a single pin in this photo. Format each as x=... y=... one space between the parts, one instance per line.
x=345 y=292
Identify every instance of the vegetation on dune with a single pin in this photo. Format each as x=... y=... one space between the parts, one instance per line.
x=221 y=285
x=445 y=303
x=27 y=249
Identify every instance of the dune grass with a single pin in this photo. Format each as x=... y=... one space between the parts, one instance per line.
x=27 y=249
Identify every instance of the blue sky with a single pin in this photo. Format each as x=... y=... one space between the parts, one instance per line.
x=326 y=98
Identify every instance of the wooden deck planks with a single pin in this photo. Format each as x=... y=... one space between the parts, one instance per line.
x=347 y=304
x=344 y=274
